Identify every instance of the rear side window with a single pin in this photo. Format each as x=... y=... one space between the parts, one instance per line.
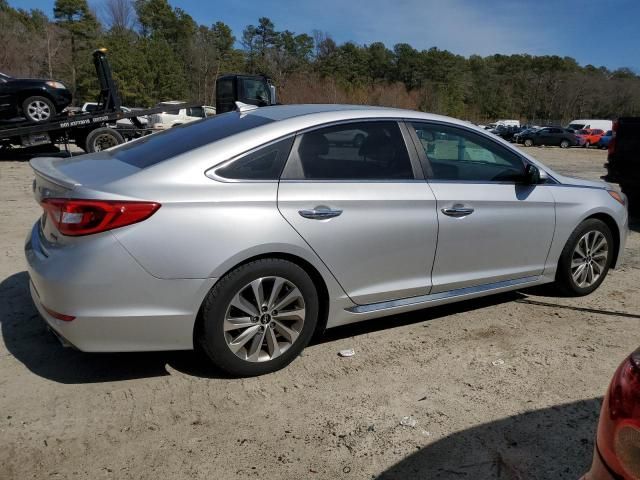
x=263 y=164
x=162 y=146
x=352 y=151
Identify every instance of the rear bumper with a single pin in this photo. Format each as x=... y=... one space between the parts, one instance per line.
x=117 y=305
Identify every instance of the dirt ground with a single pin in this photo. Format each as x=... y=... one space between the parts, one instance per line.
x=505 y=387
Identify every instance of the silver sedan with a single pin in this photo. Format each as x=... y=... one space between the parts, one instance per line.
x=245 y=233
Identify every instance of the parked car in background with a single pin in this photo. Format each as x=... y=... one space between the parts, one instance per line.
x=506 y=132
x=178 y=116
x=518 y=137
x=605 y=140
x=36 y=100
x=247 y=232
x=589 y=136
x=623 y=162
x=551 y=136
x=616 y=454
x=590 y=124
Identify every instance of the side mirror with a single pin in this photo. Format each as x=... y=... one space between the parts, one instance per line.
x=532 y=175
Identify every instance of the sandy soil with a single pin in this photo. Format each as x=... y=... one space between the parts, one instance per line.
x=505 y=387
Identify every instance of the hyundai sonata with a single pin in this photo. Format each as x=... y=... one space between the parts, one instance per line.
x=247 y=232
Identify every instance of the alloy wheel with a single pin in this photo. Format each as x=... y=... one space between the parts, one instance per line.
x=264 y=319
x=38 y=111
x=589 y=258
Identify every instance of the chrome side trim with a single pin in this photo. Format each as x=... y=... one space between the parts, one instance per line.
x=426 y=299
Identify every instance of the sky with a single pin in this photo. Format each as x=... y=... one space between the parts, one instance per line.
x=597 y=32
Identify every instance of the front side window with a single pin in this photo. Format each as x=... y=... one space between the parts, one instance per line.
x=459 y=155
x=263 y=164
x=352 y=151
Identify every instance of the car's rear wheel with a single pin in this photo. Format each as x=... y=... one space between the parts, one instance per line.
x=586 y=258
x=564 y=144
x=528 y=142
x=587 y=144
x=38 y=109
x=259 y=317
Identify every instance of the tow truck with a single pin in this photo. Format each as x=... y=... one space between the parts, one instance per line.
x=98 y=129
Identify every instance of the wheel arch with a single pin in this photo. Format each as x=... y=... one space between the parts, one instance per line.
x=610 y=222
x=316 y=277
x=24 y=94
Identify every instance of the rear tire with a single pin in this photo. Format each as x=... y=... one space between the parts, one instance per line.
x=587 y=144
x=585 y=259
x=102 y=138
x=38 y=109
x=564 y=144
x=528 y=142
x=257 y=338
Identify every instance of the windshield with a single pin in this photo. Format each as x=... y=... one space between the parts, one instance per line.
x=170 y=143
x=576 y=126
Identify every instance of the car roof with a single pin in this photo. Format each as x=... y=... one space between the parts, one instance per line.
x=343 y=111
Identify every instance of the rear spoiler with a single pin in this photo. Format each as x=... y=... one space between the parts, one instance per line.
x=45 y=167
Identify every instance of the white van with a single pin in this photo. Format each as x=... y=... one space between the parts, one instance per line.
x=508 y=123
x=605 y=125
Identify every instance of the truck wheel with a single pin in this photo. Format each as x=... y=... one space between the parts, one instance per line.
x=102 y=138
x=528 y=142
x=38 y=109
x=564 y=144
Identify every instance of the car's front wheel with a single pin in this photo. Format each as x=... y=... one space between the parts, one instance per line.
x=586 y=258
x=565 y=144
x=38 y=109
x=528 y=142
x=259 y=317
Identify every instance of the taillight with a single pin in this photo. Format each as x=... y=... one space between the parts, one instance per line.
x=83 y=217
x=619 y=428
x=612 y=142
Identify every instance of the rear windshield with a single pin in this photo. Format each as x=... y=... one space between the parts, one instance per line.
x=159 y=147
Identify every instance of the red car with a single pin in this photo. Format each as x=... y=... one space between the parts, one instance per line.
x=616 y=455
x=589 y=136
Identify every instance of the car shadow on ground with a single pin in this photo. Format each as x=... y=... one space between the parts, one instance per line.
x=28 y=339
x=555 y=442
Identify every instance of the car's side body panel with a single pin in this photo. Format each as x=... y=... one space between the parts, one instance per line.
x=506 y=237
x=382 y=245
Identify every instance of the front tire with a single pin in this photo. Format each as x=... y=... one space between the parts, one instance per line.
x=38 y=109
x=585 y=259
x=564 y=144
x=528 y=142
x=259 y=317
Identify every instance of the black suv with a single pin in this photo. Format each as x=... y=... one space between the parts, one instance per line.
x=556 y=136
x=36 y=100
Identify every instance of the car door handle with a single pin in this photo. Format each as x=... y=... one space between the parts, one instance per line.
x=320 y=213
x=457 y=211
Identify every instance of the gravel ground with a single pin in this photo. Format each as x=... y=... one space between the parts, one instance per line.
x=505 y=387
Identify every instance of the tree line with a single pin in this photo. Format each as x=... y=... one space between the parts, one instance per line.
x=159 y=52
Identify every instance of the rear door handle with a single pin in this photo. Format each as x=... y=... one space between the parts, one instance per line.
x=457 y=211
x=320 y=213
